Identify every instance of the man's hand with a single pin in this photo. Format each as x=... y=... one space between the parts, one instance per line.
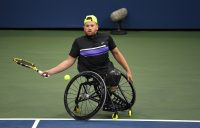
x=129 y=76
x=45 y=74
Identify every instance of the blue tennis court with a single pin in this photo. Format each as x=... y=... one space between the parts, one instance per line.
x=97 y=123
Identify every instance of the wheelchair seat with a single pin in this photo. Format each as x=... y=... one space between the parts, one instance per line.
x=86 y=94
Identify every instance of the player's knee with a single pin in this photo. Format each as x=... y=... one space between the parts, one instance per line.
x=113 y=77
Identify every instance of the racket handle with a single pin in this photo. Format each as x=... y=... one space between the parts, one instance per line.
x=40 y=72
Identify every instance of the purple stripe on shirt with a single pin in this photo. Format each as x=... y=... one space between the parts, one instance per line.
x=94 y=52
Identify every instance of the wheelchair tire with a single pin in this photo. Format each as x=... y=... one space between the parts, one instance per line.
x=128 y=90
x=85 y=95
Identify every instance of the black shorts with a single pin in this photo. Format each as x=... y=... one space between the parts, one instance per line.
x=109 y=73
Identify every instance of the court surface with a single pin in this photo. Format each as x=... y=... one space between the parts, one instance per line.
x=166 y=69
x=97 y=123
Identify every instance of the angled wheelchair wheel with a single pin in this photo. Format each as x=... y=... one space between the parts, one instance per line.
x=85 y=95
x=123 y=98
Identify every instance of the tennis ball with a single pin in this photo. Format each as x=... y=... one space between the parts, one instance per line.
x=67 y=77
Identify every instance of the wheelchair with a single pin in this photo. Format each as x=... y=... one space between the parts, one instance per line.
x=86 y=94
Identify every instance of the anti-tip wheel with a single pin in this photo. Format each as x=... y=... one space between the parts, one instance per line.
x=129 y=113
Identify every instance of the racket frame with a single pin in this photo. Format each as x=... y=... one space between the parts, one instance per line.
x=27 y=64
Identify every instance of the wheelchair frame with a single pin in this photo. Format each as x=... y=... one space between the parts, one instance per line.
x=87 y=93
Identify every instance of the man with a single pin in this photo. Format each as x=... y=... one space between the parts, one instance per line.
x=91 y=50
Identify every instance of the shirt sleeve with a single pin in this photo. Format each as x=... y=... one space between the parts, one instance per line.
x=74 y=52
x=111 y=43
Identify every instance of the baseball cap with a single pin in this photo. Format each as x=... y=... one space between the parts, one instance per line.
x=90 y=18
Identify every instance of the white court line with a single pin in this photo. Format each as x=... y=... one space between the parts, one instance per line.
x=36 y=123
x=154 y=120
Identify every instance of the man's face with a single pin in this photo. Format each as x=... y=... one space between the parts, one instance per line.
x=90 y=28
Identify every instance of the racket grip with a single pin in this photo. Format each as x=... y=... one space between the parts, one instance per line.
x=40 y=72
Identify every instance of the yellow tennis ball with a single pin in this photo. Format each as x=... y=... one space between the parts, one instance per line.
x=67 y=77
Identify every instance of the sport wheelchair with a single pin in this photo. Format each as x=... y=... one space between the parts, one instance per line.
x=86 y=94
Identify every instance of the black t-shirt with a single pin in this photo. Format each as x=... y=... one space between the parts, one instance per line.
x=93 y=52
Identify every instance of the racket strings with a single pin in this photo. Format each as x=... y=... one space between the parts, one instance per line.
x=24 y=63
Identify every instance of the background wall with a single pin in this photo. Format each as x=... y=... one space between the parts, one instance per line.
x=143 y=14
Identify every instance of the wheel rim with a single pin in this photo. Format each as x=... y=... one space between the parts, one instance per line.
x=84 y=93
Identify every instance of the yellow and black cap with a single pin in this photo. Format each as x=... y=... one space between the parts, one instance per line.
x=90 y=18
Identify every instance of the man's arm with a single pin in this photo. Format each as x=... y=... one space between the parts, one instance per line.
x=61 y=67
x=122 y=61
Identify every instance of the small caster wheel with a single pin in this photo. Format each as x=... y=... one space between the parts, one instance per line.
x=115 y=116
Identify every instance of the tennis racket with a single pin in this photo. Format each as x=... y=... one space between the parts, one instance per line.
x=28 y=64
